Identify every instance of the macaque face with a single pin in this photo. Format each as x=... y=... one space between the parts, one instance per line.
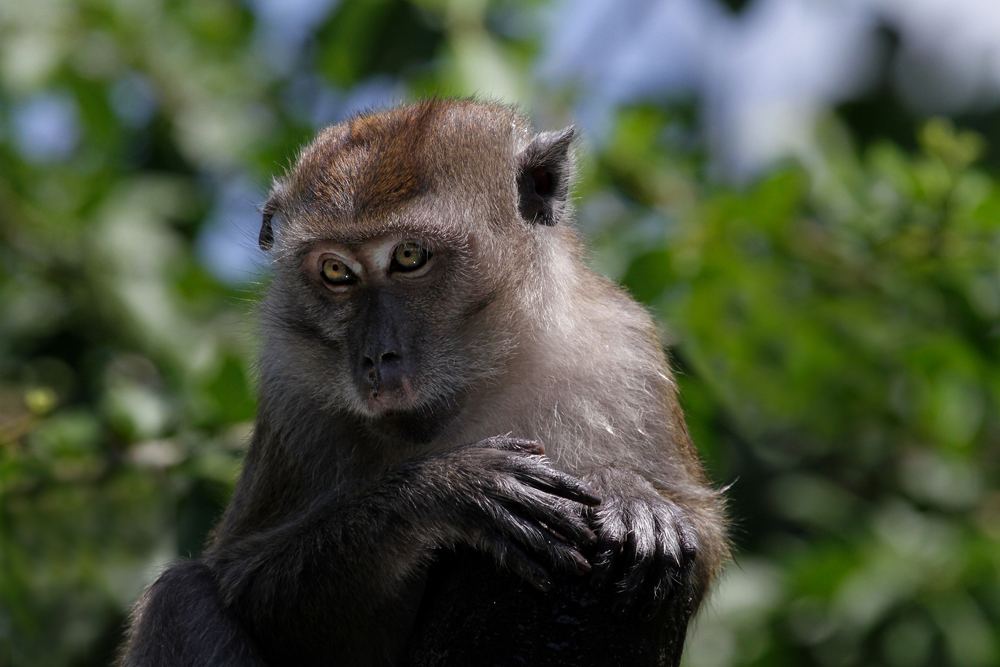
x=374 y=294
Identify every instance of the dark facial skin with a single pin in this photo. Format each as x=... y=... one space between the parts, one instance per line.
x=377 y=292
x=368 y=286
x=469 y=447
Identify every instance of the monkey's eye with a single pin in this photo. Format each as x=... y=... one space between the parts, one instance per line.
x=335 y=272
x=409 y=256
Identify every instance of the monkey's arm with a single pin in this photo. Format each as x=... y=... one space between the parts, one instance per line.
x=180 y=622
x=344 y=563
x=656 y=551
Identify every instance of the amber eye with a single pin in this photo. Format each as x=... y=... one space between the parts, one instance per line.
x=409 y=256
x=335 y=271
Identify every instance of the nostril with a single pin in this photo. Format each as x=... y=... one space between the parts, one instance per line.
x=368 y=363
x=389 y=357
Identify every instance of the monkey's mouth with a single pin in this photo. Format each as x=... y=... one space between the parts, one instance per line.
x=389 y=392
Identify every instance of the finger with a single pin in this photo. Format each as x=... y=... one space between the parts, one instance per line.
x=506 y=444
x=688 y=542
x=634 y=575
x=638 y=552
x=603 y=563
x=557 y=483
x=568 y=557
x=611 y=532
x=569 y=531
x=670 y=570
x=518 y=562
x=558 y=553
x=557 y=516
x=663 y=569
x=582 y=564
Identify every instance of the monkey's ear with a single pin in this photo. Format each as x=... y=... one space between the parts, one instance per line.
x=266 y=238
x=545 y=167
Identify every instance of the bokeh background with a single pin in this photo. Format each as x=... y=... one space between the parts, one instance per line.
x=805 y=192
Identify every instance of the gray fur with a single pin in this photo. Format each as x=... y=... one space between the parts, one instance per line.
x=349 y=495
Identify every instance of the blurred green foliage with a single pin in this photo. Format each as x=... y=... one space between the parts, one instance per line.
x=836 y=325
x=839 y=338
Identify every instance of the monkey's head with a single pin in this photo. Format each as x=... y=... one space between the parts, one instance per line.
x=407 y=242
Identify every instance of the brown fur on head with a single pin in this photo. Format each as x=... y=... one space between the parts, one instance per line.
x=354 y=175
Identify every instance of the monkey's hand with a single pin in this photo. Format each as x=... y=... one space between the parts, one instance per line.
x=646 y=544
x=505 y=499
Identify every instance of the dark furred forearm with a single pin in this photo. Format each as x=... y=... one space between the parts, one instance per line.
x=340 y=547
x=181 y=622
x=346 y=562
x=308 y=588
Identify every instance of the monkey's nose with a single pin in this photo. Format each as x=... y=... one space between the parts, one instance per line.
x=384 y=359
x=383 y=373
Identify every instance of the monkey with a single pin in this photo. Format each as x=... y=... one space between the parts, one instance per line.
x=461 y=428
